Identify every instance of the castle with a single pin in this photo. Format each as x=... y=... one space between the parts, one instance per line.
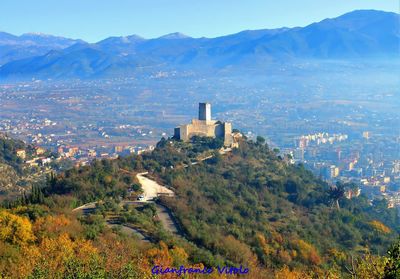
x=205 y=127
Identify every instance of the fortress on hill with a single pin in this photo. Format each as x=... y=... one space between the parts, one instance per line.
x=205 y=127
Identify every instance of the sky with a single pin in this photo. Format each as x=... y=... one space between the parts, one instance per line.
x=94 y=20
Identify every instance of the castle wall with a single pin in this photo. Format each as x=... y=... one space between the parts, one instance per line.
x=205 y=127
x=228 y=139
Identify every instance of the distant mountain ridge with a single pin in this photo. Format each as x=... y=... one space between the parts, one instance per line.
x=30 y=44
x=355 y=35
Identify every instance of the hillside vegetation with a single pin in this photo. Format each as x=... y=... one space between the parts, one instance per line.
x=12 y=169
x=247 y=207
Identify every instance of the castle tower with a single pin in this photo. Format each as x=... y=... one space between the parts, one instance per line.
x=205 y=111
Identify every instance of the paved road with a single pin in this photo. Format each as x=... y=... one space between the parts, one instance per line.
x=166 y=219
x=129 y=231
x=151 y=190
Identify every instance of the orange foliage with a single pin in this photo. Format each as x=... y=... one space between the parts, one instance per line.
x=160 y=256
x=56 y=253
x=286 y=273
x=379 y=226
x=308 y=252
x=56 y=225
x=264 y=245
x=284 y=256
x=108 y=179
x=117 y=254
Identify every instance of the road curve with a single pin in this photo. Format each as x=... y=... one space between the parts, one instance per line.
x=151 y=189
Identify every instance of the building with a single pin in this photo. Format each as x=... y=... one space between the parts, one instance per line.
x=118 y=148
x=206 y=127
x=298 y=154
x=92 y=153
x=330 y=172
x=40 y=150
x=366 y=135
x=21 y=153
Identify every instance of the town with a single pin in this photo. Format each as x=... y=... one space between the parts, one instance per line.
x=84 y=120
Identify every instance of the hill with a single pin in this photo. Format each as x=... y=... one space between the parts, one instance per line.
x=364 y=34
x=11 y=166
x=246 y=205
x=17 y=177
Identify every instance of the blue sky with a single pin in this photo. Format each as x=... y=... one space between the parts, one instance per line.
x=93 y=20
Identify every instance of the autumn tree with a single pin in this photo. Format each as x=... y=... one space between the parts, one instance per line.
x=15 y=229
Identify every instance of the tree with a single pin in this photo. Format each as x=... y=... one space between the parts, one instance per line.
x=336 y=193
x=260 y=140
x=392 y=268
x=15 y=229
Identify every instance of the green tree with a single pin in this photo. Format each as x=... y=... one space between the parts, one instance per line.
x=260 y=140
x=336 y=193
x=392 y=268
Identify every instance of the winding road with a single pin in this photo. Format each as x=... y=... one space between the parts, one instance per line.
x=151 y=190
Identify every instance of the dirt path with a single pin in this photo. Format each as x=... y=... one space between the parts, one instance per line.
x=151 y=189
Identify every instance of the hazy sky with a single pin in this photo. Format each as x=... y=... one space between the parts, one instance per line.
x=93 y=20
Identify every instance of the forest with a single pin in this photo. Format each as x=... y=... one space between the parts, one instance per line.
x=246 y=207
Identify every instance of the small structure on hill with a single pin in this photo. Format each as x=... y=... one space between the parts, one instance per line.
x=204 y=126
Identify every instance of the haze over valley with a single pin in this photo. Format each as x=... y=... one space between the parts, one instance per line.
x=125 y=147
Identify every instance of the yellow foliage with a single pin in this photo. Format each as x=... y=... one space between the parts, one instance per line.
x=277 y=237
x=379 y=226
x=56 y=252
x=238 y=251
x=267 y=249
x=30 y=255
x=180 y=256
x=369 y=266
x=284 y=256
x=308 y=252
x=160 y=256
x=336 y=255
x=15 y=229
x=108 y=179
x=286 y=273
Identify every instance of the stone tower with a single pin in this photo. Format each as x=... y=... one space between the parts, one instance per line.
x=205 y=127
x=205 y=111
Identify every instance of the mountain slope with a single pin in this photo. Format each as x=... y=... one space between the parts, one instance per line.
x=82 y=61
x=11 y=166
x=357 y=34
x=30 y=44
x=364 y=34
x=247 y=206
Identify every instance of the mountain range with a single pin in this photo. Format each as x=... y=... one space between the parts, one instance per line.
x=362 y=34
